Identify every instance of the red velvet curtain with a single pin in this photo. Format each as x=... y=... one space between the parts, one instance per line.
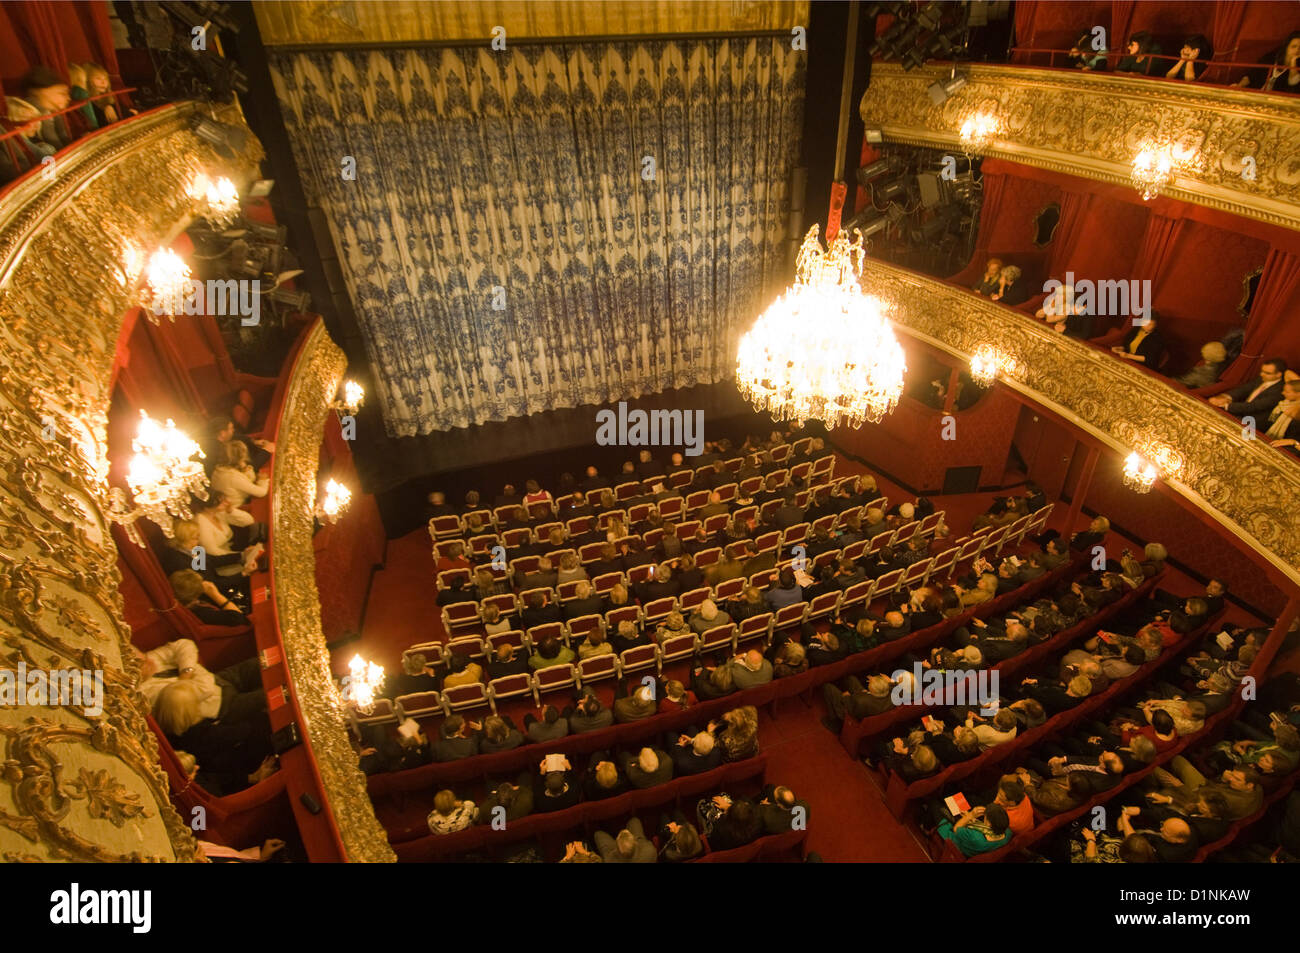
x=995 y=184
x=1229 y=15
x=1025 y=11
x=53 y=33
x=1157 y=246
x=1269 y=324
x=1069 y=230
x=1121 y=23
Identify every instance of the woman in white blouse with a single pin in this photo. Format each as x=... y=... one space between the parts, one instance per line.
x=217 y=522
x=235 y=479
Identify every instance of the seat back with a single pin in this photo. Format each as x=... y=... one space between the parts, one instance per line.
x=794 y=534
x=446 y=577
x=460 y=615
x=597 y=668
x=417 y=705
x=858 y=594
x=657 y=610
x=606 y=581
x=718 y=637
x=823 y=605
x=707 y=557
x=622 y=614
x=915 y=573
x=755 y=627
x=514 y=638
x=855 y=550
x=445 y=527
x=547 y=630
x=729 y=589
x=880 y=541
x=671 y=508
x=677 y=647
x=627 y=491
x=553 y=678
x=638 y=658
x=888 y=582
x=462 y=697
x=505 y=603
x=584 y=625
x=688 y=602
x=788 y=616
x=509 y=686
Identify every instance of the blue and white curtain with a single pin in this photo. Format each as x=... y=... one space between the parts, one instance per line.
x=549 y=226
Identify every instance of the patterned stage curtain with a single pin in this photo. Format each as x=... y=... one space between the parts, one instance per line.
x=523 y=170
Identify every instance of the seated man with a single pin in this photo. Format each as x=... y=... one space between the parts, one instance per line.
x=1256 y=397
x=603 y=778
x=630 y=846
x=638 y=706
x=855 y=701
x=515 y=801
x=786 y=591
x=557 y=789
x=219 y=717
x=750 y=670
x=589 y=715
x=550 y=652
x=650 y=767
x=458 y=738
x=552 y=726
x=586 y=601
x=1055 y=697
x=782 y=812
x=693 y=754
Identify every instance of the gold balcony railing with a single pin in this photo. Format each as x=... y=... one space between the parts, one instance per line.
x=1236 y=148
x=1250 y=488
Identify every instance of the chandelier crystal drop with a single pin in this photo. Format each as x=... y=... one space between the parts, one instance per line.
x=824 y=350
x=336 y=500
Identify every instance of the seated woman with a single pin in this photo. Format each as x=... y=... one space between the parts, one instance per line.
x=450 y=814
x=1282 y=75
x=1010 y=290
x=234 y=478
x=1205 y=373
x=224 y=529
x=1144 y=344
x=1193 y=59
x=1086 y=55
x=989 y=283
x=569 y=570
x=1142 y=53
x=182 y=552
x=730 y=822
x=708 y=684
x=204 y=599
x=101 y=87
x=595 y=644
x=739 y=735
x=499 y=734
x=681 y=841
x=790 y=659
x=979 y=830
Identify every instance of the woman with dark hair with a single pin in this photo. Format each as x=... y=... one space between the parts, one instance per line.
x=1282 y=75
x=1193 y=59
x=1142 y=50
x=1086 y=55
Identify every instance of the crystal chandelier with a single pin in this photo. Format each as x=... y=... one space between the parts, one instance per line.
x=336 y=500
x=162 y=475
x=824 y=350
x=989 y=363
x=978 y=131
x=220 y=199
x=1139 y=475
x=1153 y=167
x=362 y=684
x=167 y=283
x=353 y=397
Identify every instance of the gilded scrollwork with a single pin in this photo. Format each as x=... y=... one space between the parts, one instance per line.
x=75 y=785
x=1246 y=485
x=1238 y=149
x=314 y=384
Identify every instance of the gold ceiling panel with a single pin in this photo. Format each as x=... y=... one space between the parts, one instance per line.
x=1241 y=149
x=1252 y=489
x=366 y=22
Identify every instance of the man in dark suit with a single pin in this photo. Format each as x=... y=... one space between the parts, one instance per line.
x=648 y=768
x=782 y=812
x=507 y=661
x=543 y=577
x=594 y=481
x=647 y=467
x=459 y=739
x=1257 y=397
x=790 y=514
x=509 y=497
x=693 y=755
x=756 y=561
x=556 y=790
x=1056 y=698
x=856 y=701
x=538 y=611
x=517 y=799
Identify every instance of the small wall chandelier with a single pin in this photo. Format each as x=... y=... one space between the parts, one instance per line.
x=354 y=396
x=988 y=363
x=219 y=198
x=1139 y=474
x=167 y=282
x=1153 y=168
x=824 y=350
x=334 y=502
x=163 y=475
x=977 y=132
x=362 y=684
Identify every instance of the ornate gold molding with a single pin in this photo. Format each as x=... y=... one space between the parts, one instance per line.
x=315 y=382
x=77 y=786
x=350 y=22
x=1250 y=488
x=1092 y=125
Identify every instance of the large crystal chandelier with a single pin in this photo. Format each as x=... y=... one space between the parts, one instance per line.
x=163 y=475
x=824 y=350
x=1139 y=475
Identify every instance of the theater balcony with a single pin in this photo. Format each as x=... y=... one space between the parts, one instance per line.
x=80 y=360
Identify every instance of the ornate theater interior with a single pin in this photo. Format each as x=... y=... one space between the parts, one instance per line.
x=700 y=432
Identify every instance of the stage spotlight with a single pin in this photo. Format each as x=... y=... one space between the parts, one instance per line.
x=877 y=168
x=941 y=91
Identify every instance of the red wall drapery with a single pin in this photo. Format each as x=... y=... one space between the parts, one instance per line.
x=1267 y=327
x=1069 y=230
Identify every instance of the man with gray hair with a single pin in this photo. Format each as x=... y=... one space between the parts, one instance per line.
x=693 y=754
x=708 y=616
x=631 y=846
x=750 y=670
x=649 y=768
x=855 y=701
